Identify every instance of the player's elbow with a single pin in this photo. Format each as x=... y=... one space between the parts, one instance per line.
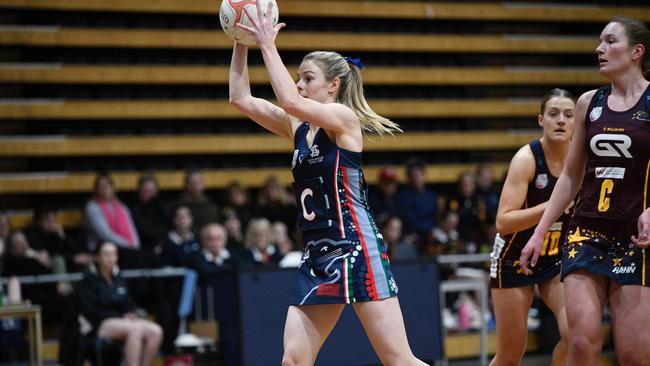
x=502 y=226
x=291 y=105
x=236 y=101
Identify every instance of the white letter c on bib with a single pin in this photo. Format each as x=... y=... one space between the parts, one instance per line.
x=311 y=215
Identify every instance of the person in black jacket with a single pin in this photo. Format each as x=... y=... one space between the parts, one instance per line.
x=109 y=311
x=213 y=258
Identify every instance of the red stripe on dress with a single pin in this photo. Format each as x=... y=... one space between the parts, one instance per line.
x=336 y=194
x=359 y=233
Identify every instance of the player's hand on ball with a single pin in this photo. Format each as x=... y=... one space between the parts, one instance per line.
x=262 y=28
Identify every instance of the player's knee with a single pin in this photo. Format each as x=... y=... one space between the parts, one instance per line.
x=154 y=332
x=291 y=360
x=582 y=345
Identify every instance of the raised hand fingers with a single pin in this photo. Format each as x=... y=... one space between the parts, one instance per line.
x=254 y=21
x=279 y=26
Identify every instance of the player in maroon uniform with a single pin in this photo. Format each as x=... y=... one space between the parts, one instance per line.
x=531 y=177
x=604 y=258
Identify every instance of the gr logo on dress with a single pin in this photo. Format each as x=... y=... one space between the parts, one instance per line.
x=611 y=145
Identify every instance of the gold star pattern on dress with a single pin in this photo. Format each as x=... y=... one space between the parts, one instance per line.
x=617 y=261
x=577 y=238
x=516 y=265
x=572 y=253
x=630 y=253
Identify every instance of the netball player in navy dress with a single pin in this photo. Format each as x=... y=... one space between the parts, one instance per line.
x=531 y=177
x=604 y=258
x=345 y=259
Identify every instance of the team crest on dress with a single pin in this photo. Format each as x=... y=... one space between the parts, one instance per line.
x=541 y=181
x=314 y=151
x=596 y=112
x=314 y=154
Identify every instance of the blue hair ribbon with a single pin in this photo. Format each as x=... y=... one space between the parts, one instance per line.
x=356 y=62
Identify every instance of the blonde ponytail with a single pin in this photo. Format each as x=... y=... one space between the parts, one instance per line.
x=351 y=91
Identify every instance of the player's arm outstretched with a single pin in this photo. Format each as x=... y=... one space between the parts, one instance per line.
x=511 y=217
x=566 y=187
x=263 y=112
x=330 y=116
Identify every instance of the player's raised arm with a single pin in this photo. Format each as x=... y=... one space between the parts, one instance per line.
x=263 y=112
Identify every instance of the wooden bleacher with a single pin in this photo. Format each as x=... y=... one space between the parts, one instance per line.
x=220 y=109
x=216 y=39
x=480 y=64
x=69 y=182
x=191 y=74
x=249 y=144
x=368 y=9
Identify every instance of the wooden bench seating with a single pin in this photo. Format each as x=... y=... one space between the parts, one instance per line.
x=45 y=146
x=373 y=42
x=220 y=109
x=499 y=11
x=63 y=182
x=374 y=75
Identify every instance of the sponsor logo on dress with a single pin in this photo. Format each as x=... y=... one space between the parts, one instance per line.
x=541 y=181
x=328 y=289
x=610 y=172
x=596 y=112
x=624 y=270
x=641 y=116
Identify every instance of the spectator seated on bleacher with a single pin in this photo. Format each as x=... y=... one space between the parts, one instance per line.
x=444 y=238
x=259 y=249
x=47 y=234
x=5 y=230
x=109 y=312
x=214 y=257
x=181 y=242
x=417 y=205
x=236 y=198
x=108 y=219
x=22 y=260
x=150 y=215
x=398 y=248
x=204 y=211
x=233 y=228
x=471 y=213
x=486 y=191
x=291 y=256
x=382 y=198
x=276 y=204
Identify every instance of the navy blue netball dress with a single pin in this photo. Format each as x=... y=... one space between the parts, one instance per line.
x=345 y=259
x=505 y=270
x=614 y=193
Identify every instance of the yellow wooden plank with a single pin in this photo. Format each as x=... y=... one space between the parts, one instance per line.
x=220 y=109
x=190 y=74
x=249 y=144
x=68 y=218
x=216 y=39
x=214 y=179
x=360 y=9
